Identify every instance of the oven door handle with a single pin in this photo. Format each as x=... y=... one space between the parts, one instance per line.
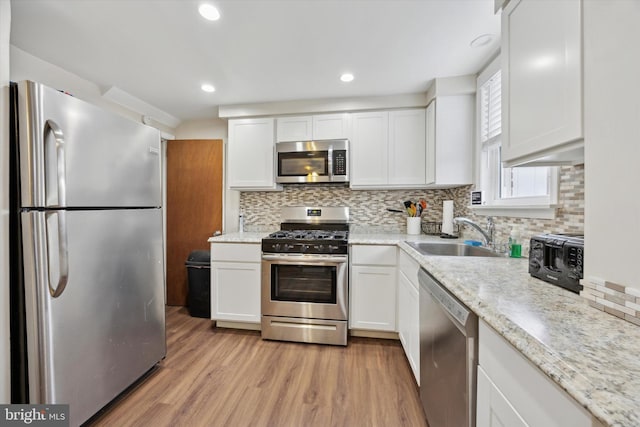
x=305 y=258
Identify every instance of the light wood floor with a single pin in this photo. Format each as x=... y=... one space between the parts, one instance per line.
x=222 y=377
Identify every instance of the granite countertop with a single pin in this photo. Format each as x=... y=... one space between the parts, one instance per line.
x=368 y=238
x=592 y=355
x=380 y=238
x=245 y=237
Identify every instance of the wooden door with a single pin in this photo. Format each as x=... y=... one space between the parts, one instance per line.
x=194 y=206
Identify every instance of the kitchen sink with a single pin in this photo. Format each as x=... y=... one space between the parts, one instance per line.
x=451 y=249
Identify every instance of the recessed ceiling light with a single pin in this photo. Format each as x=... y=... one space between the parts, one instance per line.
x=208 y=88
x=482 y=40
x=346 y=77
x=209 y=12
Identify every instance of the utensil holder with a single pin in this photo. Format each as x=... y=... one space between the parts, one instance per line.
x=413 y=224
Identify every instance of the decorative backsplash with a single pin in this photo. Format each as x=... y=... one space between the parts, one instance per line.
x=618 y=300
x=368 y=208
x=569 y=215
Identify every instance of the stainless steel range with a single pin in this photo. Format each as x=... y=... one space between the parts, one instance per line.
x=304 y=276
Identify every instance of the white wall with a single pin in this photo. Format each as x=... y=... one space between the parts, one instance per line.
x=612 y=140
x=25 y=66
x=215 y=128
x=5 y=372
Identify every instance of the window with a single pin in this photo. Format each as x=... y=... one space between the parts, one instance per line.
x=507 y=191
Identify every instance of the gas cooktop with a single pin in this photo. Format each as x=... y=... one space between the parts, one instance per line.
x=306 y=242
x=309 y=235
x=307 y=230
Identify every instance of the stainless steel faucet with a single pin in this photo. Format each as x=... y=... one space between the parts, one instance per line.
x=488 y=235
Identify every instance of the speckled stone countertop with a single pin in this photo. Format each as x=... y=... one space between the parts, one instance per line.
x=246 y=237
x=392 y=238
x=593 y=356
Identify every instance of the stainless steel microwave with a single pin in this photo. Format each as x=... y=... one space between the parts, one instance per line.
x=312 y=161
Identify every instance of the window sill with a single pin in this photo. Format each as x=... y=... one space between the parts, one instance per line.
x=524 y=211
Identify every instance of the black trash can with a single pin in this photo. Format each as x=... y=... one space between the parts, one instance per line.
x=199 y=271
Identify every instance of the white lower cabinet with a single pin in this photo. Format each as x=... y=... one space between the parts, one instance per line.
x=409 y=311
x=235 y=282
x=373 y=288
x=494 y=409
x=513 y=392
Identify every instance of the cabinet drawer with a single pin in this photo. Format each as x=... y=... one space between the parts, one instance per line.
x=373 y=255
x=409 y=267
x=242 y=252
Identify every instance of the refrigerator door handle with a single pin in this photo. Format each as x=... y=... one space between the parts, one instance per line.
x=63 y=254
x=51 y=126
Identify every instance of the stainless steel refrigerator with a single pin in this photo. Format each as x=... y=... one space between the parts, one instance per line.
x=87 y=295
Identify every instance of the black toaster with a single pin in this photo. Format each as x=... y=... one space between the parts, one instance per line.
x=558 y=259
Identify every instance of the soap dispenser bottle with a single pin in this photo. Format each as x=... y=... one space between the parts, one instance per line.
x=515 y=244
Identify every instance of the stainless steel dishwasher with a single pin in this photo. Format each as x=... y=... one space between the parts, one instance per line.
x=448 y=356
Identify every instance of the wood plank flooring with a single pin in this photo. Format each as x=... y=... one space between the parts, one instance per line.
x=222 y=377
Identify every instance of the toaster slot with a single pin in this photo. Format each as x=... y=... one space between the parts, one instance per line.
x=553 y=257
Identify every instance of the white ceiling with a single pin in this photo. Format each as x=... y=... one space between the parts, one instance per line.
x=161 y=51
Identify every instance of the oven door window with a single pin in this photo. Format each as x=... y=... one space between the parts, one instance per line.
x=308 y=163
x=303 y=283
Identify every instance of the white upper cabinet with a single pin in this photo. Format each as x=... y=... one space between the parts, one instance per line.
x=331 y=126
x=407 y=147
x=250 y=157
x=430 y=148
x=414 y=148
x=542 y=82
x=450 y=128
x=307 y=128
x=369 y=145
x=297 y=128
x=388 y=149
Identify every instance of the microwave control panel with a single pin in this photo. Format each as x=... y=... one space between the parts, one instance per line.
x=339 y=162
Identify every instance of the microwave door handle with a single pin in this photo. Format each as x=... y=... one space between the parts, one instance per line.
x=330 y=163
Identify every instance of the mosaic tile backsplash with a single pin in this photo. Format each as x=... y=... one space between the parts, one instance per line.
x=368 y=208
x=569 y=215
x=618 y=300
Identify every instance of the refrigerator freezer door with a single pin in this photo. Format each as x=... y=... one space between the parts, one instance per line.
x=107 y=328
x=99 y=159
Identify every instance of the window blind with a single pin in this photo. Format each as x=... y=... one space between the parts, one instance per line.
x=490 y=109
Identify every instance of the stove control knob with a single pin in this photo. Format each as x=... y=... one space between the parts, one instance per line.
x=276 y=247
x=319 y=248
x=287 y=247
x=333 y=248
x=304 y=248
